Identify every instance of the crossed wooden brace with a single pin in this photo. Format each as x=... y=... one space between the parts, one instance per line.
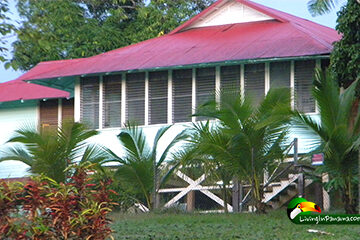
x=194 y=185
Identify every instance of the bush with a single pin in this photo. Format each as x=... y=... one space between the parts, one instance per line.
x=44 y=209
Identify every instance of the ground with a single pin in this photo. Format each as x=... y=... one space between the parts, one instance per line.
x=275 y=225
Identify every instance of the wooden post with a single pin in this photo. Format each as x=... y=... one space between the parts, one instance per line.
x=326 y=196
x=190 y=201
x=295 y=151
x=235 y=195
x=241 y=196
x=301 y=183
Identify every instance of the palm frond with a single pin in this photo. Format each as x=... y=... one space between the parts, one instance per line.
x=319 y=7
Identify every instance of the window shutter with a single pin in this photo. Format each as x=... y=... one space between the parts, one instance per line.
x=205 y=87
x=135 y=97
x=49 y=113
x=280 y=74
x=158 y=92
x=255 y=82
x=89 y=101
x=182 y=95
x=230 y=79
x=112 y=101
x=68 y=110
x=304 y=74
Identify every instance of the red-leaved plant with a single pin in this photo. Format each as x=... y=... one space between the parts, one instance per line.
x=44 y=209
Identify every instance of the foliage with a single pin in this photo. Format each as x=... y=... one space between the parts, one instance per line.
x=320 y=7
x=196 y=155
x=6 y=27
x=44 y=209
x=339 y=133
x=51 y=151
x=248 y=138
x=345 y=58
x=275 y=225
x=141 y=166
x=66 y=29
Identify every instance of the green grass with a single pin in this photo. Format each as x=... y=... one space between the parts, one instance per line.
x=275 y=225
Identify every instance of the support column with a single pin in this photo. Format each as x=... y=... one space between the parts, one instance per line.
x=325 y=194
x=235 y=195
x=190 y=201
x=77 y=104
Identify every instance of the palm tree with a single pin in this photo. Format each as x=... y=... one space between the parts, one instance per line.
x=196 y=153
x=339 y=134
x=140 y=167
x=320 y=7
x=51 y=151
x=247 y=139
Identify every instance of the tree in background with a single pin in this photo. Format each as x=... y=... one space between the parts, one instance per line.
x=66 y=29
x=345 y=58
x=50 y=152
x=5 y=28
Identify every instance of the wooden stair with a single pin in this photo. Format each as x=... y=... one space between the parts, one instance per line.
x=279 y=193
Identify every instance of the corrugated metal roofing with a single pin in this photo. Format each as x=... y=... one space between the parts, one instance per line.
x=286 y=36
x=18 y=90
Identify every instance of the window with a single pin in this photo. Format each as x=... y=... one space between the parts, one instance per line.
x=89 y=101
x=230 y=79
x=135 y=98
x=255 y=82
x=158 y=96
x=49 y=114
x=205 y=86
x=112 y=101
x=280 y=74
x=182 y=95
x=304 y=74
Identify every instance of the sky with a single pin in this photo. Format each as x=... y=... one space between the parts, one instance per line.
x=295 y=7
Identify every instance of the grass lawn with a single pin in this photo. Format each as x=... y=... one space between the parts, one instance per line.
x=274 y=225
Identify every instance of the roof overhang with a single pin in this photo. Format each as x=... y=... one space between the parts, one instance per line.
x=68 y=83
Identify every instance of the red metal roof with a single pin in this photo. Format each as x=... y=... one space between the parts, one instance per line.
x=18 y=90
x=285 y=36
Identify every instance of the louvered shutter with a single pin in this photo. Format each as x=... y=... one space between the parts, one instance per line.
x=89 y=101
x=230 y=79
x=304 y=74
x=182 y=95
x=280 y=74
x=68 y=110
x=112 y=101
x=158 y=97
x=49 y=113
x=205 y=87
x=255 y=82
x=135 y=97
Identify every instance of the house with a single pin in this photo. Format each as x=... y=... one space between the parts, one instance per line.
x=234 y=44
x=25 y=104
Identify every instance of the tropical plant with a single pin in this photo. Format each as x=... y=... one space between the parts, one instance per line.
x=51 y=151
x=338 y=131
x=77 y=209
x=195 y=155
x=247 y=139
x=140 y=170
x=319 y=7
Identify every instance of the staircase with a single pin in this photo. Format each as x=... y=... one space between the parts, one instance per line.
x=279 y=193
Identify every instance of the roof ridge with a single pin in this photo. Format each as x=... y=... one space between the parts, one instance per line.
x=301 y=28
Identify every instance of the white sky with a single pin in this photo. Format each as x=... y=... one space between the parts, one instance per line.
x=295 y=7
